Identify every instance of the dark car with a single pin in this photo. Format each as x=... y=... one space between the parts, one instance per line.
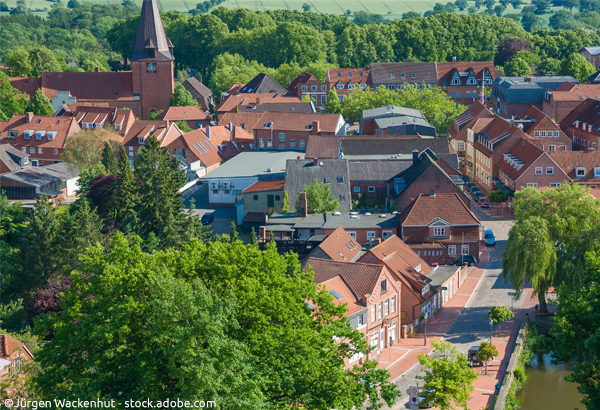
x=422 y=400
x=465 y=259
x=488 y=238
x=483 y=202
x=474 y=358
x=207 y=218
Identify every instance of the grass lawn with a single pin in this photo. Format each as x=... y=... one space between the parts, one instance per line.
x=61 y=209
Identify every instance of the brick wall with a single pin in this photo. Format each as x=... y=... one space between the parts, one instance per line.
x=155 y=89
x=543 y=180
x=379 y=194
x=259 y=201
x=297 y=136
x=361 y=234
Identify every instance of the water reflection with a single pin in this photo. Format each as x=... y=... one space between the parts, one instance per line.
x=546 y=388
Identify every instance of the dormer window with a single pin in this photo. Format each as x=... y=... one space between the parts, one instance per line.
x=150 y=53
x=596 y=172
x=268 y=125
x=141 y=141
x=350 y=74
x=439 y=231
x=51 y=135
x=39 y=135
x=361 y=74
x=309 y=127
x=425 y=289
x=27 y=134
x=579 y=172
x=418 y=268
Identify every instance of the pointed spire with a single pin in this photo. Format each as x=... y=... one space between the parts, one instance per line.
x=151 y=43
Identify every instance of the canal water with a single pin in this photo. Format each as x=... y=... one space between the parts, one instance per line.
x=546 y=387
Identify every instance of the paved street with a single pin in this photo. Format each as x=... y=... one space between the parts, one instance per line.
x=483 y=289
x=223 y=216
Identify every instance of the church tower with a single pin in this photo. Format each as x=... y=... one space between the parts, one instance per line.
x=152 y=62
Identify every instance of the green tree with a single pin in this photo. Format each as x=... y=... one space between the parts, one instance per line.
x=517 y=67
x=4 y=6
x=500 y=314
x=84 y=148
x=530 y=21
x=496 y=197
x=486 y=352
x=448 y=378
x=154 y=115
x=319 y=199
x=207 y=322
x=531 y=58
x=87 y=175
x=182 y=97
x=286 y=203
x=12 y=101
x=549 y=66
x=40 y=104
x=72 y=4
x=577 y=66
x=306 y=98
x=541 y=6
x=499 y=10
x=183 y=126
x=410 y=15
x=108 y=159
x=43 y=60
x=19 y=64
x=333 y=105
x=125 y=191
x=306 y=7
x=11 y=217
x=90 y=65
x=560 y=19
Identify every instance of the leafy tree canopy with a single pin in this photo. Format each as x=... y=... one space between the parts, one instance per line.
x=577 y=66
x=319 y=199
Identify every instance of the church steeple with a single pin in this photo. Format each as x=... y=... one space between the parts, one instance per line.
x=151 y=43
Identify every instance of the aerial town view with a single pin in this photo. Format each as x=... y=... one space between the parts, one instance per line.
x=289 y=204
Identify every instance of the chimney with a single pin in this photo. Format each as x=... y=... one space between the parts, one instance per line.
x=231 y=132
x=97 y=69
x=303 y=205
x=257 y=100
x=208 y=131
x=453 y=58
x=315 y=127
x=415 y=157
x=431 y=193
x=262 y=232
x=29 y=117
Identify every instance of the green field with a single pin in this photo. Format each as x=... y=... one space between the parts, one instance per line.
x=390 y=9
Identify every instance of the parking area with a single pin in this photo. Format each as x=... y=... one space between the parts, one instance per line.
x=223 y=216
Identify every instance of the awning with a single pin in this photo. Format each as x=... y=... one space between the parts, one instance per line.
x=503 y=188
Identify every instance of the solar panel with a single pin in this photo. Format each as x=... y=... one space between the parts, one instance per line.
x=336 y=294
x=197 y=150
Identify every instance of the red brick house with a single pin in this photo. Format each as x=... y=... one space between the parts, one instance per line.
x=193 y=116
x=229 y=103
x=411 y=271
x=559 y=103
x=91 y=117
x=464 y=125
x=372 y=295
x=463 y=81
x=582 y=125
x=42 y=137
x=346 y=80
x=338 y=246
x=277 y=130
x=442 y=219
x=545 y=133
x=592 y=55
x=526 y=165
x=307 y=83
x=582 y=168
x=12 y=355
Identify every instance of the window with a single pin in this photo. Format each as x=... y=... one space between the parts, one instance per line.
x=532 y=184
x=379 y=310
x=343 y=198
x=352 y=234
x=551 y=147
x=555 y=134
x=464 y=249
x=386 y=307
x=304 y=88
x=323 y=99
x=356 y=189
x=458 y=94
x=32 y=150
x=323 y=88
x=373 y=313
x=340 y=86
x=538 y=170
x=24 y=149
x=371 y=189
x=301 y=144
x=392 y=87
x=350 y=74
x=374 y=342
x=351 y=86
x=256 y=197
x=40 y=150
x=26 y=134
x=55 y=151
x=386 y=234
x=549 y=170
x=360 y=321
x=339 y=74
x=580 y=172
x=543 y=134
x=393 y=304
x=451 y=94
x=261 y=143
x=278 y=197
x=468 y=94
x=313 y=88
x=281 y=137
x=39 y=135
x=596 y=172
x=554 y=184
x=327 y=180
x=392 y=75
x=536 y=133
x=292 y=144
x=392 y=331
x=439 y=231
x=370 y=235
x=383 y=286
x=451 y=250
x=340 y=180
x=413 y=75
x=141 y=141
x=418 y=267
x=460 y=145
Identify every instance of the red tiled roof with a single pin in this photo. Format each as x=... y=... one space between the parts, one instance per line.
x=526 y=152
x=10 y=345
x=339 y=246
x=246 y=121
x=47 y=126
x=424 y=209
x=26 y=85
x=446 y=70
x=361 y=278
x=96 y=115
x=323 y=146
x=587 y=112
x=260 y=186
x=576 y=92
x=475 y=113
x=114 y=85
x=349 y=75
x=337 y=284
x=143 y=129
x=287 y=121
x=190 y=113
x=230 y=102
x=568 y=161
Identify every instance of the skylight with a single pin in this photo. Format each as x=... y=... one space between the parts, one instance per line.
x=336 y=294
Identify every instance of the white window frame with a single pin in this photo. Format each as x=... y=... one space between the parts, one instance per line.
x=536 y=133
x=379 y=310
x=373 y=315
x=549 y=170
x=352 y=234
x=556 y=134
x=371 y=188
x=451 y=250
x=386 y=234
x=393 y=304
x=532 y=184
x=360 y=321
x=386 y=307
x=392 y=330
x=437 y=231
x=304 y=88
x=281 y=137
x=551 y=148
x=356 y=189
x=371 y=234
x=539 y=170
x=464 y=250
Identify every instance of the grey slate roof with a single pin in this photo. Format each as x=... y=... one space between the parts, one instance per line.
x=391 y=110
x=264 y=83
x=440 y=275
x=516 y=90
x=387 y=122
x=393 y=146
x=255 y=163
x=45 y=179
x=594 y=78
x=450 y=159
x=331 y=221
x=377 y=170
x=300 y=172
x=197 y=89
x=151 y=35
x=426 y=159
x=12 y=157
x=592 y=50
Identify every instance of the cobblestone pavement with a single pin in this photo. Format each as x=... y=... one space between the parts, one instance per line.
x=470 y=325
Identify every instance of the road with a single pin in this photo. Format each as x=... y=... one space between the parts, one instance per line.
x=472 y=325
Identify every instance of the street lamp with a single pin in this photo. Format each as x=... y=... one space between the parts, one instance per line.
x=491 y=330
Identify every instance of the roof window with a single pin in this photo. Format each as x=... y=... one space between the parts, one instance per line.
x=580 y=172
x=392 y=75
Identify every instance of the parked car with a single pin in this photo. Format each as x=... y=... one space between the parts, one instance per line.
x=474 y=358
x=483 y=202
x=465 y=259
x=423 y=403
x=488 y=238
x=207 y=218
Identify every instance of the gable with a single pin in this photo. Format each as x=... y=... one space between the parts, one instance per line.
x=438 y=222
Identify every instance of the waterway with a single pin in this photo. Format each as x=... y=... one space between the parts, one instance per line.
x=546 y=387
